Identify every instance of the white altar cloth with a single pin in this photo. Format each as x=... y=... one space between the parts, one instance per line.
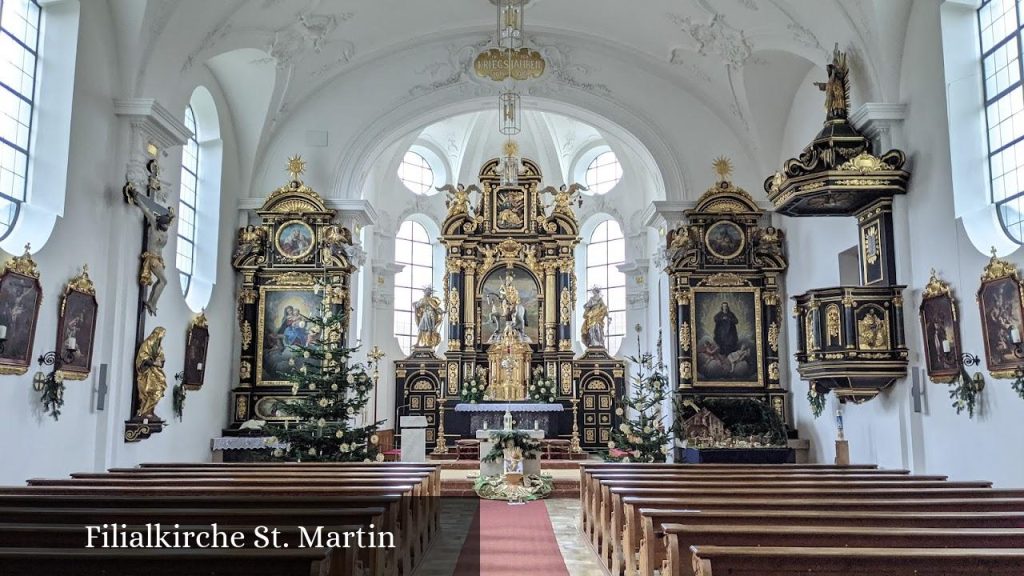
x=511 y=407
x=495 y=468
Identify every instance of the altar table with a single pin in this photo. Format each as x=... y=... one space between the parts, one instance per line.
x=489 y=416
x=530 y=466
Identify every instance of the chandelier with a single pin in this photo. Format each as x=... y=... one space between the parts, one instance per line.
x=510 y=39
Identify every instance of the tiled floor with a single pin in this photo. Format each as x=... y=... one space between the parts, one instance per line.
x=565 y=519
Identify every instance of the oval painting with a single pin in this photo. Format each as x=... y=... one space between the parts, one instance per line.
x=725 y=240
x=294 y=239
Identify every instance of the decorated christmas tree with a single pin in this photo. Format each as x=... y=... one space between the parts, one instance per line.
x=334 y=391
x=641 y=436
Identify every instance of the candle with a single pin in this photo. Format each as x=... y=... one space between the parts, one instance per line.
x=945 y=346
x=71 y=343
x=536 y=425
x=839 y=423
x=1014 y=335
x=574 y=384
x=3 y=332
x=199 y=367
x=485 y=424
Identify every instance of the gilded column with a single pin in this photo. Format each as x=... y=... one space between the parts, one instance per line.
x=469 y=305
x=550 y=314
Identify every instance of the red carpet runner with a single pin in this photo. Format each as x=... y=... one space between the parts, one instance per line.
x=514 y=540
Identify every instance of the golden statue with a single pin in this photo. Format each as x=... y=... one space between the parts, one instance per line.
x=837 y=88
x=509 y=366
x=595 y=318
x=428 y=313
x=149 y=374
x=509 y=295
x=564 y=197
x=872 y=333
x=458 y=198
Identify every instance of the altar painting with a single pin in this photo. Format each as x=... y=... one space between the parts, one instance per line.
x=496 y=311
x=1002 y=322
x=283 y=325
x=726 y=337
x=510 y=209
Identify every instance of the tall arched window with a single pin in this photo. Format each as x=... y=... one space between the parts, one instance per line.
x=187 y=202
x=603 y=173
x=19 y=44
x=1000 y=26
x=415 y=172
x=605 y=252
x=414 y=251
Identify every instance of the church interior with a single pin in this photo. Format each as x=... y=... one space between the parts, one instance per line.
x=581 y=287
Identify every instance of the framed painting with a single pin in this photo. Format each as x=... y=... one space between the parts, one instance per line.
x=727 y=337
x=499 y=292
x=1002 y=318
x=725 y=239
x=940 y=329
x=196 y=344
x=294 y=240
x=283 y=325
x=76 y=326
x=510 y=210
x=20 y=297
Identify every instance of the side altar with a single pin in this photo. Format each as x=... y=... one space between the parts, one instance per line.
x=507 y=304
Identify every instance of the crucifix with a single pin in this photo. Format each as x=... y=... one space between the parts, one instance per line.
x=148 y=375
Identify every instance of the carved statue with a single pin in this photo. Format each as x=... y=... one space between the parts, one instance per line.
x=159 y=218
x=595 y=317
x=458 y=199
x=837 y=88
x=512 y=309
x=769 y=241
x=251 y=242
x=428 y=319
x=149 y=374
x=564 y=196
x=336 y=246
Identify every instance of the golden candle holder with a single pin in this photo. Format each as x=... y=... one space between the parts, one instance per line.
x=574 y=442
x=441 y=446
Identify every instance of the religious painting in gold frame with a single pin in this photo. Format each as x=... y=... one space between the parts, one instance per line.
x=282 y=324
x=492 y=315
x=510 y=210
x=940 y=329
x=725 y=239
x=1001 y=302
x=20 y=297
x=76 y=326
x=726 y=336
x=294 y=240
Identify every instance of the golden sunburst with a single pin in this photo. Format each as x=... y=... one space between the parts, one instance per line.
x=723 y=167
x=296 y=166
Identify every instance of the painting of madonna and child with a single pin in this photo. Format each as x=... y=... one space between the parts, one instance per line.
x=725 y=336
x=283 y=318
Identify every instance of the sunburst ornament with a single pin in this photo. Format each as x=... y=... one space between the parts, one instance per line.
x=296 y=166
x=723 y=167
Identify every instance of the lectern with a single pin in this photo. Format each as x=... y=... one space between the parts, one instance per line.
x=414 y=438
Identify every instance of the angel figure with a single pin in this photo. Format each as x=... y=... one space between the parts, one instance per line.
x=564 y=196
x=250 y=242
x=458 y=199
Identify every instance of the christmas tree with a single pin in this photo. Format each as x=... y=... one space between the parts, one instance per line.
x=334 y=390
x=641 y=436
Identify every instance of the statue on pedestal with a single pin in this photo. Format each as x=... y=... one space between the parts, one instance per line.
x=595 y=317
x=149 y=374
x=428 y=319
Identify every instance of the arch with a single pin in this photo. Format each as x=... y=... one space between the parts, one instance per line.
x=202 y=203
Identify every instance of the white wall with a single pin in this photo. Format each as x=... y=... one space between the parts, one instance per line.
x=98 y=228
x=886 y=430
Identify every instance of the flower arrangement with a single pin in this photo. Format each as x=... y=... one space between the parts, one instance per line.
x=542 y=390
x=474 y=387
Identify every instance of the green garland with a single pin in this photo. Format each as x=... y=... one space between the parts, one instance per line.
x=179 y=401
x=817 y=400
x=1018 y=383
x=495 y=488
x=964 y=394
x=53 y=395
x=542 y=390
x=474 y=387
x=519 y=439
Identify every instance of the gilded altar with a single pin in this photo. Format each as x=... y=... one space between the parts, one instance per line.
x=510 y=291
x=292 y=262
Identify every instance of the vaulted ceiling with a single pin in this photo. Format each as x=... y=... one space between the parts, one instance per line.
x=661 y=71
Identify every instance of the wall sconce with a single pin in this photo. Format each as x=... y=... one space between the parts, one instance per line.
x=966 y=360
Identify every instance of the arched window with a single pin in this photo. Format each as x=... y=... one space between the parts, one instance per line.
x=19 y=44
x=1000 y=27
x=603 y=173
x=187 y=202
x=414 y=251
x=605 y=252
x=415 y=172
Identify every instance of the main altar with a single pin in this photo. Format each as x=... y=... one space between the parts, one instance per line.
x=507 y=304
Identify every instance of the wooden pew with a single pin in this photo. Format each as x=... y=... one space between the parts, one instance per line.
x=681 y=538
x=653 y=550
x=613 y=527
x=106 y=562
x=398 y=517
x=340 y=562
x=780 y=561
